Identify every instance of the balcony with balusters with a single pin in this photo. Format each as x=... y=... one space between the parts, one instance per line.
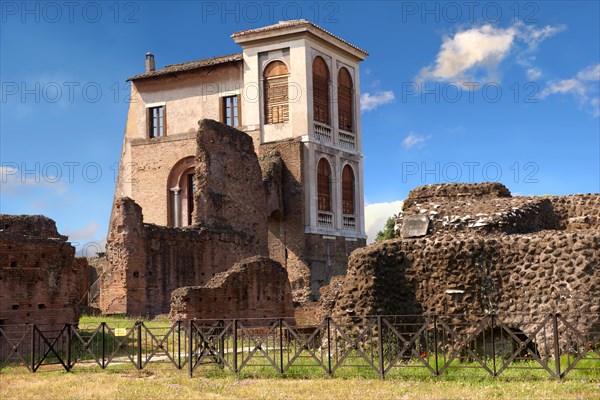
x=325 y=219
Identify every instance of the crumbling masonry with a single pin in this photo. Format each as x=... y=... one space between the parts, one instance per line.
x=41 y=281
x=147 y=262
x=481 y=251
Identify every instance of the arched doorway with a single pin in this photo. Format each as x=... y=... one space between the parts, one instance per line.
x=180 y=192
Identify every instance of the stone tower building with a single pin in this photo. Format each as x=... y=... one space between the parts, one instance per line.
x=295 y=90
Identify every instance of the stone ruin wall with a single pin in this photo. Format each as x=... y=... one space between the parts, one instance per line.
x=484 y=252
x=41 y=280
x=489 y=208
x=147 y=262
x=257 y=287
x=464 y=274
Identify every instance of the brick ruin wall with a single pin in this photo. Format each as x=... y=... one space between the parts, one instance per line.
x=257 y=287
x=310 y=259
x=147 y=262
x=484 y=252
x=243 y=206
x=229 y=190
x=282 y=166
x=41 y=280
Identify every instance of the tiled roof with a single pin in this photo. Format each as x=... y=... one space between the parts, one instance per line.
x=188 y=66
x=292 y=23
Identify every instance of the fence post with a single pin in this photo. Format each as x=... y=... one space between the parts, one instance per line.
x=281 y=344
x=190 y=349
x=33 y=328
x=179 y=344
x=221 y=362
x=329 y=346
x=556 y=345
x=493 y=345
x=435 y=344
x=68 y=347
x=235 y=344
x=139 y=345
x=103 y=344
x=380 y=348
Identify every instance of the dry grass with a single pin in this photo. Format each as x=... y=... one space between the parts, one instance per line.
x=164 y=384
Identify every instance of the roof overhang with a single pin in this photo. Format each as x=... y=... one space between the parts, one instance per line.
x=293 y=29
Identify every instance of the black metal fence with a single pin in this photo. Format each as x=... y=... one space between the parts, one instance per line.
x=552 y=345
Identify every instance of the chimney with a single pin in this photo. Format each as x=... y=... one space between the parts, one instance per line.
x=149 y=62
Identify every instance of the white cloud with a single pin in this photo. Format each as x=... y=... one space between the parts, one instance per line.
x=376 y=215
x=533 y=74
x=583 y=86
x=13 y=181
x=88 y=239
x=83 y=234
x=414 y=139
x=533 y=37
x=484 y=46
x=369 y=102
x=474 y=54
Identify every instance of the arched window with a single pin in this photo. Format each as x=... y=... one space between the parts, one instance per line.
x=345 y=103
x=320 y=90
x=324 y=185
x=348 y=190
x=276 y=93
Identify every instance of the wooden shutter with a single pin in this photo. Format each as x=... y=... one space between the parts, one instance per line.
x=324 y=185
x=345 y=103
x=276 y=93
x=320 y=90
x=348 y=190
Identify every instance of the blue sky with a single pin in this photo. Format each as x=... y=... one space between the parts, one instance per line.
x=451 y=91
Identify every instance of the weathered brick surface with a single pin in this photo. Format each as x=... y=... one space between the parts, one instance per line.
x=310 y=259
x=154 y=160
x=257 y=287
x=147 y=262
x=40 y=279
x=229 y=189
x=286 y=225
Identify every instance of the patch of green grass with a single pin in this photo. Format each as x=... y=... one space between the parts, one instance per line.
x=115 y=321
x=165 y=383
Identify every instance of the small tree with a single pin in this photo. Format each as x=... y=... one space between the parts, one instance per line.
x=388 y=231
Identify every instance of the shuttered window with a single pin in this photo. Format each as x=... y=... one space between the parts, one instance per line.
x=320 y=90
x=345 y=103
x=348 y=190
x=276 y=93
x=324 y=185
